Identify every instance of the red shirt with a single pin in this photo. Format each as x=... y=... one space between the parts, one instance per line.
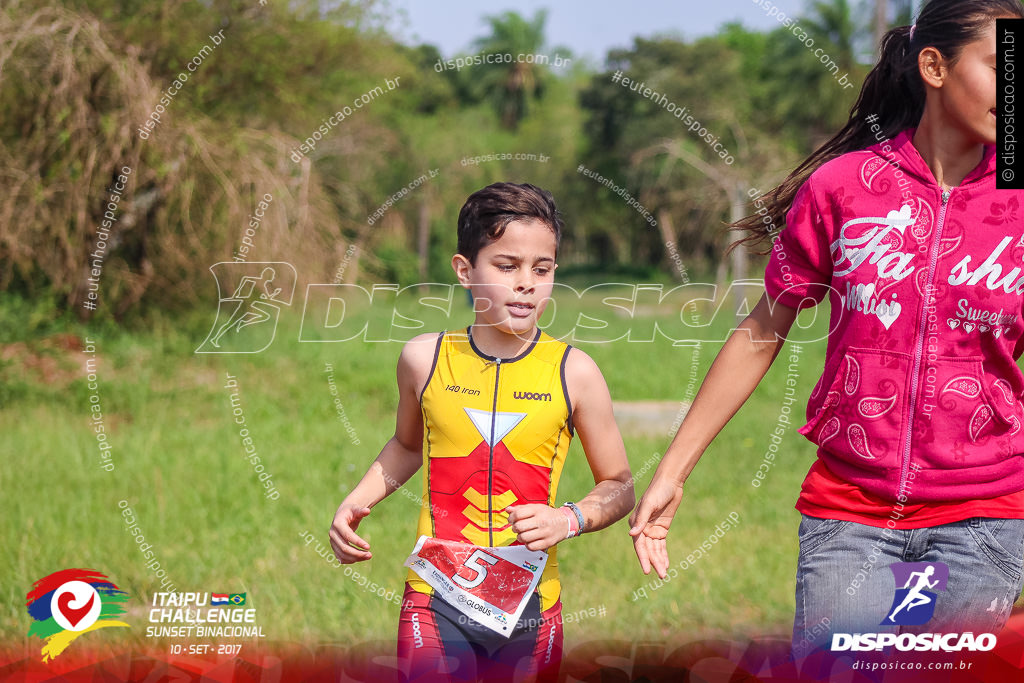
x=825 y=495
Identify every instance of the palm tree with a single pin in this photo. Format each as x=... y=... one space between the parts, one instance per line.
x=508 y=83
x=832 y=25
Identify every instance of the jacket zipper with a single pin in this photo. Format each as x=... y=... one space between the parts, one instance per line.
x=490 y=458
x=922 y=327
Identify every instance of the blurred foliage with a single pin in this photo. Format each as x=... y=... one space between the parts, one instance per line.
x=78 y=80
x=511 y=85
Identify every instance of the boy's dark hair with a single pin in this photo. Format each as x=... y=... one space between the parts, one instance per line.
x=487 y=213
x=893 y=91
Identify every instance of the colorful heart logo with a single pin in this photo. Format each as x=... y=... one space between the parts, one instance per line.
x=982 y=328
x=74 y=615
x=953 y=323
x=997 y=332
x=75 y=605
x=968 y=327
x=69 y=603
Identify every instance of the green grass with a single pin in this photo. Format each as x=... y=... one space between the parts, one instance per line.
x=180 y=466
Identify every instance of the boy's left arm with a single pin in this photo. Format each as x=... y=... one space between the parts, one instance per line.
x=540 y=526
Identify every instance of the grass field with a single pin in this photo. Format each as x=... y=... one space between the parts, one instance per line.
x=179 y=464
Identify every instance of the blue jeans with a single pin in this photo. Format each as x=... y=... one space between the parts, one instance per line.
x=844 y=585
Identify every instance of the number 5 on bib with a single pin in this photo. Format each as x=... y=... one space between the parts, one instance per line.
x=489 y=585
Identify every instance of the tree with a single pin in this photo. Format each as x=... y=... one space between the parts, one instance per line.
x=816 y=64
x=510 y=84
x=881 y=19
x=666 y=146
x=889 y=14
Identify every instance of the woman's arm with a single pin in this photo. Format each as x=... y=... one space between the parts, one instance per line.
x=737 y=370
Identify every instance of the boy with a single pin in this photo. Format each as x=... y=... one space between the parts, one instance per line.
x=490 y=410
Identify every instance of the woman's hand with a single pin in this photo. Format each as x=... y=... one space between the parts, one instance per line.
x=649 y=524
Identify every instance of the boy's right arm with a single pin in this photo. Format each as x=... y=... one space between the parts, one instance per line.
x=737 y=370
x=401 y=456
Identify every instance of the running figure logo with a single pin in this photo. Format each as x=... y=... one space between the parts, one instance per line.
x=257 y=291
x=916 y=586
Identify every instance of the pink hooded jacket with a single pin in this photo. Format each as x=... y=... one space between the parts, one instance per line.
x=910 y=378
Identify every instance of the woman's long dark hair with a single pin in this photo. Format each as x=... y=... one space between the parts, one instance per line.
x=892 y=91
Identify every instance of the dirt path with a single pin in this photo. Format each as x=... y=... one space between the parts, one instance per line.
x=649 y=418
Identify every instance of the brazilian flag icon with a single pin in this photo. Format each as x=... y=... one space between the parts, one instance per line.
x=237 y=599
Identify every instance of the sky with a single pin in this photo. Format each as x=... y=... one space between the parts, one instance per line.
x=587 y=27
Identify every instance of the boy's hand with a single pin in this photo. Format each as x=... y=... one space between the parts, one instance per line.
x=649 y=524
x=344 y=537
x=537 y=526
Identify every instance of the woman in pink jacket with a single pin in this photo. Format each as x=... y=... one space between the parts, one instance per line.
x=917 y=417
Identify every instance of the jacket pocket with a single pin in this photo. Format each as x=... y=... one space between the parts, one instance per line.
x=967 y=418
x=860 y=417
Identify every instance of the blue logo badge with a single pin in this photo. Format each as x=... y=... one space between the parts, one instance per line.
x=916 y=587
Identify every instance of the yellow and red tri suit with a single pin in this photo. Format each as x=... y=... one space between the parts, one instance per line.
x=495 y=434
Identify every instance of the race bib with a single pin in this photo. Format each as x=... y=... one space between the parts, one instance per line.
x=489 y=585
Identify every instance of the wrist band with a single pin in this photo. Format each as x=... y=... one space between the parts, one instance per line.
x=579 y=516
x=570 y=520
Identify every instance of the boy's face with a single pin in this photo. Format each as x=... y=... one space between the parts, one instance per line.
x=512 y=278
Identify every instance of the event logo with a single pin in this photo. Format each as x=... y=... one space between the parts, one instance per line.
x=250 y=297
x=68 y=603
x=913 y=605
x=914 y=602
